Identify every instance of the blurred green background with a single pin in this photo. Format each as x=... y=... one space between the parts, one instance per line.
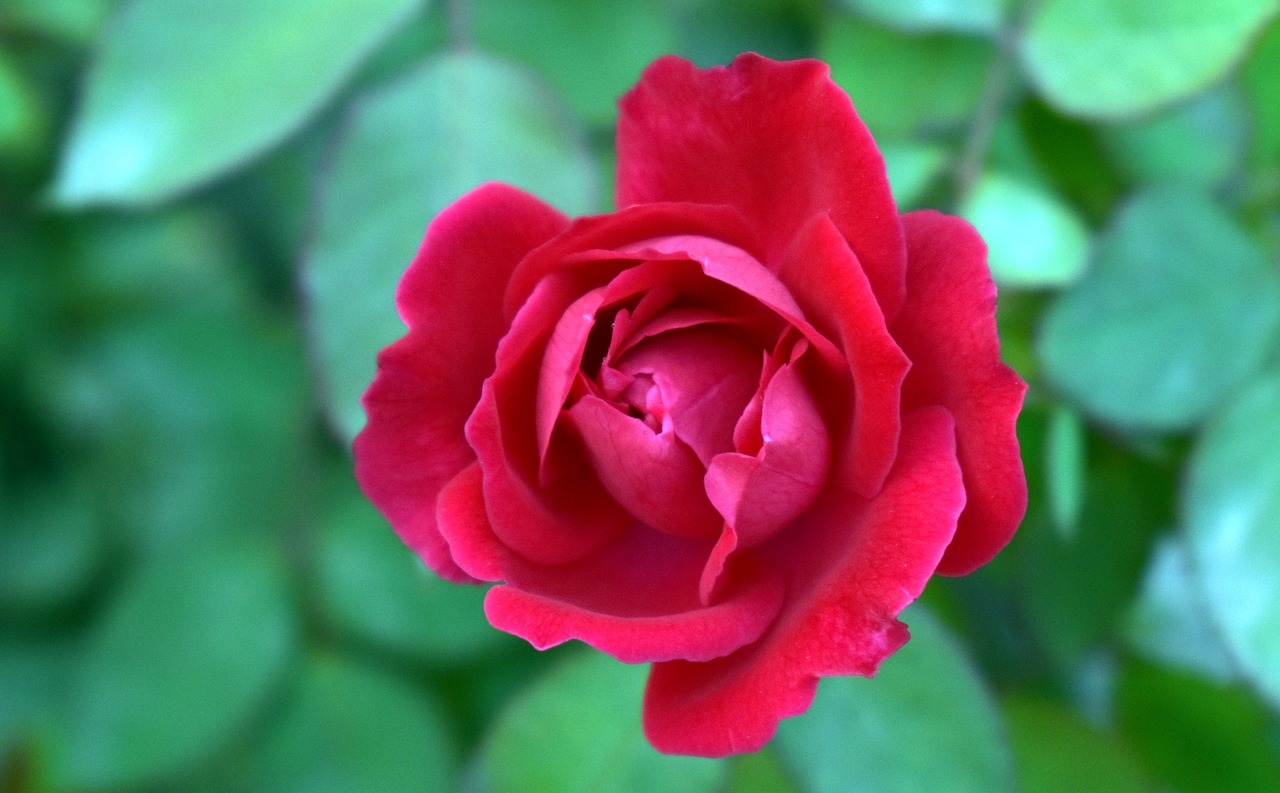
x=204 y=208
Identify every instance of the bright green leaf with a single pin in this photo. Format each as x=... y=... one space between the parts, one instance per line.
x=1263 y=92
x=1233 y=528
x=1065 y=467
x=925 y=722
x=1170 y=623
x=1057 y=751
x=412 y=148
x=578 y=731
x=912 y=170
x=1033 y=239
x=591 y=51
x=873 y=65
x=182 y=90
x=349 y=729
x=185 y=654
x=375 y=589
x=1117 y=58
x=964 y=16
x=1201 y=143
x=1179 y=310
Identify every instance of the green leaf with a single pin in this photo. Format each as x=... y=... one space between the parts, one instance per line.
x=185 y=654
x=1117 y=58
x=872 y=64
x=411 y=149
x=1065 y=466
x=75 y=20
x=759 y=772
x=50 y=547
x=1059 y=752
x=376 y=590
x=180 y=91
x=21 y=116
x=577 y=45
x=1195 y=735
x=1033 y=239
x=1233 y=528
x=1201 y=143
x=1179 y=310
x=926 y=722
x=713 y=32
x=912 y=170
x=1263 y=92
x=577 y=730
x=963 y=16
x=1170 y=623
x=350 y=729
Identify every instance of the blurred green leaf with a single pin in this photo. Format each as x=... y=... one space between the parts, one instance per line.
x=872 y=64
x=182 y=90
x=75 y=20
x=1201 y=143
x=577 y=730
x=1196 y=736
x=913 y=168
x=1178 y=311
x=964 y=16
x=712 y=32
x=1169 y=622
x=1074 y=588
x=926 y=722
x=20 y=114
x=1118 y=58
x=1070 y=158
x=185 y=654
x=1263 y=92
x=34 y=671
x=373 y=588
x=759 y=772
x=1233 y=528
x=1059 y=752
x=50 y=547
x=1065 y=466
x=411 y=149
x=575 y=45
x=1033 y=239
x=350 y=729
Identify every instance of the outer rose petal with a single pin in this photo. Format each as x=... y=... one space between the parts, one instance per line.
x=428 y=382
x=851 y=566
x=779 y=141
x=635 y=599
x=948 y=329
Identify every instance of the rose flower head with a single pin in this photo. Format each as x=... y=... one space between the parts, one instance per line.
x=730 y=429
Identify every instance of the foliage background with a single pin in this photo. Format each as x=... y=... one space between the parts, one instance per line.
x=204 y=207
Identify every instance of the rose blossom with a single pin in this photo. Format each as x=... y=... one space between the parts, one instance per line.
x=731 y=429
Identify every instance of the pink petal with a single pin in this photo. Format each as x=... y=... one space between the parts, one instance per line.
x=948 y=329
x=778 y=141
x=758 y=495
x=654 y=476
x=851 y=566
x=833 y=290
x=429 y=381
x=561 y=362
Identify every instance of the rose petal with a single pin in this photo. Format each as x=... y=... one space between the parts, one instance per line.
x=654 y=476
x=850 y=569
x=836 y=297
x=948 y=329
x=638 y=603
x=779 y=141
x=760 y=494
x=428 y=382
x=561 y=363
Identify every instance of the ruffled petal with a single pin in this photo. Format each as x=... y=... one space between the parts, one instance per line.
x=429 y=381
x=833 y=291
x=948 y=329
x=778 y=141
x=851 y=566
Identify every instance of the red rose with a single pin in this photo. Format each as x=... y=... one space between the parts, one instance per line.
x=731 y=429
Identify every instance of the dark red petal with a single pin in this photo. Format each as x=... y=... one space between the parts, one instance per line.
x=832 y=289
x=948 y=329
x=851 y=566
x=778 y=141
x=645 y=623
x=429 y=381
x=654 y=476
